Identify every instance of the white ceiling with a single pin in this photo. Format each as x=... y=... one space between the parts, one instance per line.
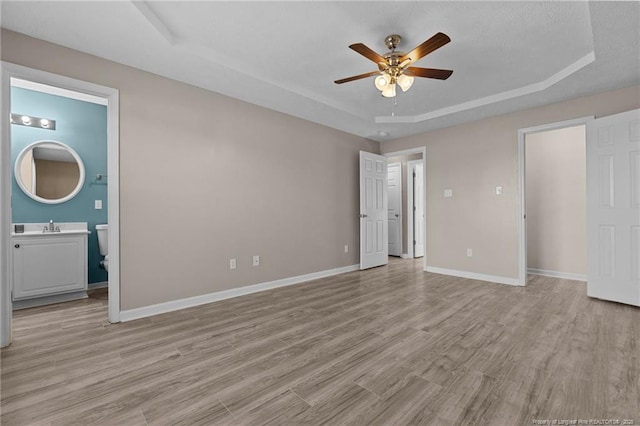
x=285 y=56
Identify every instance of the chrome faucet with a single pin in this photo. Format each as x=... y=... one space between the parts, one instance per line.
x=51 y=228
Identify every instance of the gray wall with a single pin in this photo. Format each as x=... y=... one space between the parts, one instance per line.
x=205 y=178
x=474 y=158
x=556 y=190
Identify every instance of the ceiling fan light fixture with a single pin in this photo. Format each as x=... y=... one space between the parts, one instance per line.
x=389 y=91
x=382 y=81
x=405 y=82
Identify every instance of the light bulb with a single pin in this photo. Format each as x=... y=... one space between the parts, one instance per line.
x=44 y=123
x=405 y=82
x=382 y=81
x=26 y=120
x=389 y=91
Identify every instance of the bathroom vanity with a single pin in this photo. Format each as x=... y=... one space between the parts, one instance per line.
x=49 y=266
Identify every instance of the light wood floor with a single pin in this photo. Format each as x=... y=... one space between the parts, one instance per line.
x=391 y=346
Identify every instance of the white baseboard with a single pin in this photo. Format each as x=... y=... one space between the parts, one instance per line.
x=474 y=276
x=405 y=256
x=174 y=305
x=557 y=274
x=101 y=284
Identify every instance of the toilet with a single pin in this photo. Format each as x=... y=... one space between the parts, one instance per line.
x=103 y=244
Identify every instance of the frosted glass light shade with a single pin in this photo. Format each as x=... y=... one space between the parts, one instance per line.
x=405 y=82
x=382 y=81
x=389 y=91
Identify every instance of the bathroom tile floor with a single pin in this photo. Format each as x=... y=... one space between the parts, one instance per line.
x=391 y=345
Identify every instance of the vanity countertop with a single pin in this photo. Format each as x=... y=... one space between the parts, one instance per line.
x=66 y=228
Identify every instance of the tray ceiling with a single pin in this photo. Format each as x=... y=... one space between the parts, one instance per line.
x=285 y=56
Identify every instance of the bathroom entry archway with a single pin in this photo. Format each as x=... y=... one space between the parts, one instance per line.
x=10 y=71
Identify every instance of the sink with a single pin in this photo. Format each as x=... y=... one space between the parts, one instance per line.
x=66 y=228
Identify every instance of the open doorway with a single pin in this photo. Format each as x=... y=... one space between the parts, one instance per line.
x=59 y=168
x=406 y=178
x=553 y=239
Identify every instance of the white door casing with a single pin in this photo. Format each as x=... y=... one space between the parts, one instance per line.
x=418 y=202
x=394 y=188
x=374 y=249
x=613 y=208
x=9 y=71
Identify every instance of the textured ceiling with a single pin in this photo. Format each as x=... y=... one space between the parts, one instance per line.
x=285 y=55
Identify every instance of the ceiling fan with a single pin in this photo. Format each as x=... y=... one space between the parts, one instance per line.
x=394 y=66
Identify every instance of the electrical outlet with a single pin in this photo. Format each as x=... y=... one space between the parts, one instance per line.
x=256 y=260
x=98 y=204
x=498 y=190
x=346 y=248
x=469 y=253
x=232 y=264
x=448 y=193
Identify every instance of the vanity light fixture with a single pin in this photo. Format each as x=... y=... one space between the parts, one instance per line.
x=27 y=120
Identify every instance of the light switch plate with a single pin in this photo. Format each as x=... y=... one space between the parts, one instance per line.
x=498 y=190
x=346 y=248
x=469 y=253
x=98 y=204
x=256 y=260
x=232 y=264
x=448 y=193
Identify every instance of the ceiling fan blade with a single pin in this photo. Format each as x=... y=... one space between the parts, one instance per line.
x=357 y=77
x=435 y=42
x=428 y=73
x=367 y=53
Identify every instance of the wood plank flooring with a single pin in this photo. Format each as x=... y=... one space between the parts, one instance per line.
x=389 y=346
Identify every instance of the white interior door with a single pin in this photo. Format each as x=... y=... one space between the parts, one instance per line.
x=418 y=204
x=394 y=216
x=613 y=208
x=374 y=249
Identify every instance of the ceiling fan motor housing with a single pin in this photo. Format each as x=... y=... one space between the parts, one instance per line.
x=392 y=41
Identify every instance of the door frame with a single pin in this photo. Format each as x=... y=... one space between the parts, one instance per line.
x=7 y=72
x=411 y=151
x=522 y=223
x=400 y=210
x=410 y=211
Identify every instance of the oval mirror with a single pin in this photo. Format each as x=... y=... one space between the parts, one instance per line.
x=49 y=172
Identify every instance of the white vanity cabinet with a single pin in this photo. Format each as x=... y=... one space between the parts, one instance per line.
x=51 y=263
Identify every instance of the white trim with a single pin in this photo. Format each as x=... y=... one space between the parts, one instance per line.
x=522 y=224
x=410 y=212
x=101 y=284
x=399 y=163
x=57 y=91
x=8 y=72
x=405 y=256
x=175 y=305
x=557 y=274
x=474 y=276
x=406 y=152
x=5 y=210
x=498 y=97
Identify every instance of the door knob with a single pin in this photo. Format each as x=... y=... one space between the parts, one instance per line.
x=396 y=214
x=17 y=246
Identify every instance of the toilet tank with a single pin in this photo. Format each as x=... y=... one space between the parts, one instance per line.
x=103 y=239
